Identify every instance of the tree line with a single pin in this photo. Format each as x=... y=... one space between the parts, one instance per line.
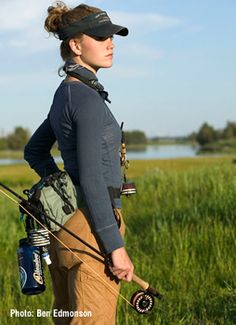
x=15 y=140
x=206 y=135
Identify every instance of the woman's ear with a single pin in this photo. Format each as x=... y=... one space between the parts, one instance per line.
x=75 y=46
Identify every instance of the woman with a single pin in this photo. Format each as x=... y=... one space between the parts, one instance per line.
x=89 y=138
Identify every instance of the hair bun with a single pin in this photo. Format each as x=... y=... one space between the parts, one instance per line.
x=54 y=18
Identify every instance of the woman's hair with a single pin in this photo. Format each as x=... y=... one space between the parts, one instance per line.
x=59 y=16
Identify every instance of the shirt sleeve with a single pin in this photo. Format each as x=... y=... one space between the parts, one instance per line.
x=89 y=123
x=37 y=150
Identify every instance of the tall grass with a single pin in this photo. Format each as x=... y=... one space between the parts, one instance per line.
x=181 y=226
x=181 y=236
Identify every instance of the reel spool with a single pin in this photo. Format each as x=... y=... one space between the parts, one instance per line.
x=142 y=301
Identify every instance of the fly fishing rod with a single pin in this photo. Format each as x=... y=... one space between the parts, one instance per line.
x=142 y=301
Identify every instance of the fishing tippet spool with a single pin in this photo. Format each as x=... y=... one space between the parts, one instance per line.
x=142 y=301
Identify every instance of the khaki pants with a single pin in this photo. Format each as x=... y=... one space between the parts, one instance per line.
x=77 y=288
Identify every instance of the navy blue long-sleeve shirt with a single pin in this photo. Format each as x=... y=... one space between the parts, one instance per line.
x=89 y=140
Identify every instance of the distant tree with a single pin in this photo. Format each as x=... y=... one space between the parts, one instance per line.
x=206 y=134
x=18 y=138
x=192 y=137
x=218 y=134
x=3 y=143
x=229 y=131
x=135 y=137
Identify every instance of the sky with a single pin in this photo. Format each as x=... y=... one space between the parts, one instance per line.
x=174 y=71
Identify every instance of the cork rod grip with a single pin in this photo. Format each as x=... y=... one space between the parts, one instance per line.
x=144 y=285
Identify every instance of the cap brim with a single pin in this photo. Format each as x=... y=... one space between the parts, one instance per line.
x=106 y=30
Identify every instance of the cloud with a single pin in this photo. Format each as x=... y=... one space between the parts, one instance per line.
x=23 y=78
x=145 y=21
x=141 y=52
x=119 y=71
x=18 y=15
x=21 y=26
x=195 y=29
x=16 y=43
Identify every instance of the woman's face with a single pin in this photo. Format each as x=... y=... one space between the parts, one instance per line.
x=95 y=52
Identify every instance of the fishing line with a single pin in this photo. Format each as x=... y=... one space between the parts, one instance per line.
x=80 y=259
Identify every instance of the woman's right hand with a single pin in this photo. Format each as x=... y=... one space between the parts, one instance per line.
x=122 y=267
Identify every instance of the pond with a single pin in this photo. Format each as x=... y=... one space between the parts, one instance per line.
x=162 y=152
x=148 y=152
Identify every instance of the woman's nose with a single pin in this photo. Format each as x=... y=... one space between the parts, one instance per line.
x=110 y=42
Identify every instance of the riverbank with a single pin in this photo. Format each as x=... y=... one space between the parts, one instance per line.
x=23 y=175
x=19 y=154
x=221 y=146
x=11 y=154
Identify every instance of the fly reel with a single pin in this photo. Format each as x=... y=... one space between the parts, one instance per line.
x=142 y=301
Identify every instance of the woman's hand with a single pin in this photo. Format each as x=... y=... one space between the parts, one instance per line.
x=122 y=266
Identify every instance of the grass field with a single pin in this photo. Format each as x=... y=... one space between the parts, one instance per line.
x=181 y=234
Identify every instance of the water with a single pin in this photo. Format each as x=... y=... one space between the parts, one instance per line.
x=162 y=152
x=8 y=161
x=148 y=152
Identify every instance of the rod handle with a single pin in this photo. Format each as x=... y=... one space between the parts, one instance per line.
x=144 y=285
